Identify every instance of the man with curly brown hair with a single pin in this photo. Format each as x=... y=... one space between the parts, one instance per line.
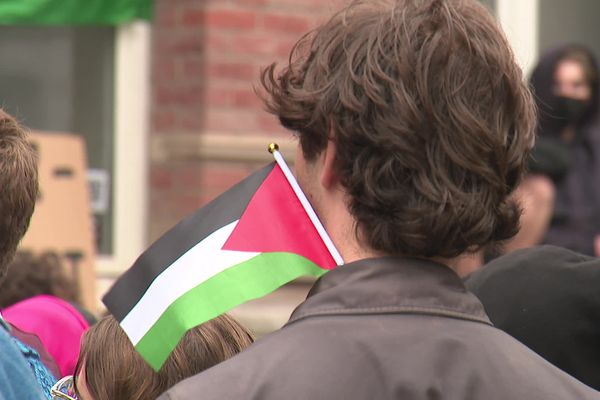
x=414 y=126
x=18 y=192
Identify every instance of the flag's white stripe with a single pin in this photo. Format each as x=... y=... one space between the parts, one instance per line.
x=201 y=262
x=337 y=257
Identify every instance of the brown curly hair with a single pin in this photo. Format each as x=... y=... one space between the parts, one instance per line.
x=31 y=275
x=18 y=186
x=430 y=116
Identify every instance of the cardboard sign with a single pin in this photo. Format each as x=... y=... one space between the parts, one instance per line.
x=62 y=222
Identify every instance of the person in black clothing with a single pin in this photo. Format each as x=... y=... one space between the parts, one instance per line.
x=547 y=298
x=561 y=195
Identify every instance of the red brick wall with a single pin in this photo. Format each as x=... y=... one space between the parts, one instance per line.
x=206 y=59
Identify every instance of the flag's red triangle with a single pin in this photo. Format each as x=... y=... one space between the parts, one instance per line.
x=275 y=221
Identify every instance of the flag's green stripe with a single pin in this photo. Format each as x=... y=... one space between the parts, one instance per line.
x=73 y=12
x=236 y=285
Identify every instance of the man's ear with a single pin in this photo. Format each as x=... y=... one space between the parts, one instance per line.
x=329 y=177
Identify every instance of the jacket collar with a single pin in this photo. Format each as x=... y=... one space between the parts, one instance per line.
x=391 y=285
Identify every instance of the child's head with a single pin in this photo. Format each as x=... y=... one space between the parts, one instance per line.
x=110 y=368
x=32 y=274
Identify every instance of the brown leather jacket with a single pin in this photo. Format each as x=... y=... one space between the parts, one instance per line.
x=387 y=328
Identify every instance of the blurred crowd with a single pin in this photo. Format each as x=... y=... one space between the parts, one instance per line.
x=419 y=142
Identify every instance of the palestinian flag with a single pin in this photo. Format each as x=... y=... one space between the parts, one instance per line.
x=251 y=240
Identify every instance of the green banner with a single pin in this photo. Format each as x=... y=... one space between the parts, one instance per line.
x=73 y=12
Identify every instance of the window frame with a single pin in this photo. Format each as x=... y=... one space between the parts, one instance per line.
x=130 y=158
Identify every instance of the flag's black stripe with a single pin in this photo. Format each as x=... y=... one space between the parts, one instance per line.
x=226 y=208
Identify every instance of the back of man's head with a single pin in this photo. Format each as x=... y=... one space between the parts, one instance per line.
x=429 y=114
x=18 y=186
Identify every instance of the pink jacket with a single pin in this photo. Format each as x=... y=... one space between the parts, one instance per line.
x=57 y=323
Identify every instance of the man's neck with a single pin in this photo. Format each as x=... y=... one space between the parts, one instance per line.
x=341 y=227
x=353 y=249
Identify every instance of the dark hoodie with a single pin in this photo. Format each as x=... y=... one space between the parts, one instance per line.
x=574 y=166
x=547 y=298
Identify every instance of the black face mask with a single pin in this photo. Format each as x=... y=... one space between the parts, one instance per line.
x=570 y=110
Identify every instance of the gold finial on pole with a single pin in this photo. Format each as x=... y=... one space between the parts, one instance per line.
x=273 y=147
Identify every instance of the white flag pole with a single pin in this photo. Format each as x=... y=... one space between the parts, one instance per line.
x=274 y=149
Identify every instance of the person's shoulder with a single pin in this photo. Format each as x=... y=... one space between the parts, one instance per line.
x=506 y=368
x=303 y=361
x=16 y=378
x=293 y=355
